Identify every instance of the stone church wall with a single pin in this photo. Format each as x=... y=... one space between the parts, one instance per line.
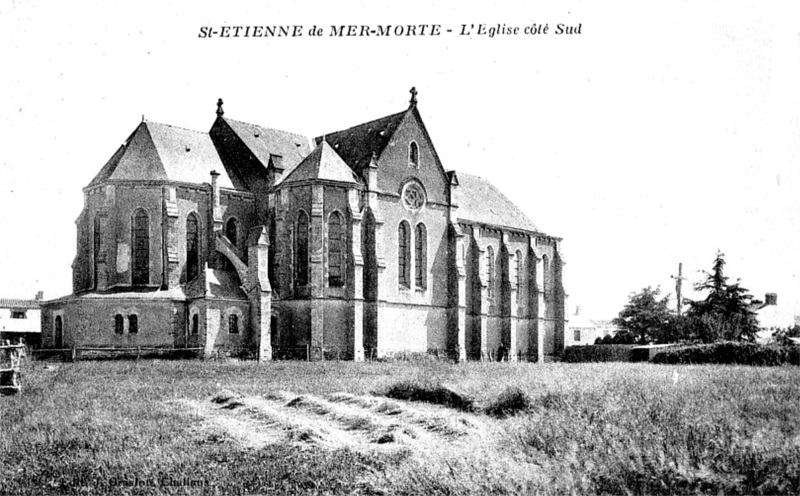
x=412 y=328
x=218 y=331
x=90 y=322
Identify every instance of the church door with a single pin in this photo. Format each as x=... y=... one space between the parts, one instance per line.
x=59 y=332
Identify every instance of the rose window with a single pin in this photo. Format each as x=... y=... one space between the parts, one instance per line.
x=413 y=197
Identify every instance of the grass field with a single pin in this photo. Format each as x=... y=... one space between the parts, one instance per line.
x=181 y=427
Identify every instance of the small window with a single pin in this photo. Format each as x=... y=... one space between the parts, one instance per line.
x=18 y=314
x=413 y=154
x=133 y=324
x=195 y=324
x=119 y=324
x=232 y=231
x=577 y=335
x=233 y=324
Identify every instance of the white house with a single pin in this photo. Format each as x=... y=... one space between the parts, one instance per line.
x=21 y=319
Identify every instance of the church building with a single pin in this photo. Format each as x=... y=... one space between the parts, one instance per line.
x=250 y=241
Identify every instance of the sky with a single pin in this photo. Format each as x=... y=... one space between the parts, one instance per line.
x=663 y=132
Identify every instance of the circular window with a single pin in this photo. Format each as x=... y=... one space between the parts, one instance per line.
x=413 y=197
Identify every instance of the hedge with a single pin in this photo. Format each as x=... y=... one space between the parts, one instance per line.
x=599 y=353
x=732 y=353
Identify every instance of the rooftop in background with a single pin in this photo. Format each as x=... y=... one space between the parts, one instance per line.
x=22 y=304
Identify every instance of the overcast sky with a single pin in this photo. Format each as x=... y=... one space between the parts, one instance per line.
x=663 y=132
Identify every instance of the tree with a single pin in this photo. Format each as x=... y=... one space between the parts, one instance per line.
x=726 y=312
x=645 y=317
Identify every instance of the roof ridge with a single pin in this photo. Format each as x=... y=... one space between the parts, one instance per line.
x=176 y=127
x=364 y=123
x=298 y=135
x=155 y=148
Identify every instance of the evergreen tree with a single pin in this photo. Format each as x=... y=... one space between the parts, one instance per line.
x=726 y=312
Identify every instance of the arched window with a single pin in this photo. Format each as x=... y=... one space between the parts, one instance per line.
x=421 y=255
x=518 y=272
x=140 y=238
x=232 y=231
x=195 y=324
x=335 y=250
x=301 y=249
x=192 y=247
x=133 y=324
x=489 y=271
x=233 y=324
x=119 y=324
x=96 y=242
x=545 y=273
x=404 y=254
x=59 y=332
x=413 y=154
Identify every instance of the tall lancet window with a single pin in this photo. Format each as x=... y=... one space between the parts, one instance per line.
x=518 y=273
x=96 y=242
x=140 y=239
x=301 y=249
x=335 y=250
x=489 y=271
x=192 y=247
x=404 y=254
x=421 y=255
x=545 y=274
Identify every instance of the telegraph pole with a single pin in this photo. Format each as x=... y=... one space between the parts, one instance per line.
x=678 y=284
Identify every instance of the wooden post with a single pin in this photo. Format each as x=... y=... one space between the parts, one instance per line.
x=308 y=352
x=74 y=353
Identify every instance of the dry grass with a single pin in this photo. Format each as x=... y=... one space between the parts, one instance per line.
x=564 y=428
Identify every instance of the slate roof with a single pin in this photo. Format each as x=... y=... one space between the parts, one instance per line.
x=263 y=142
x=357 y=144
x=223 y=284
x=18 y=303
x=322 y=163
x=162 y=152
x=479 y=201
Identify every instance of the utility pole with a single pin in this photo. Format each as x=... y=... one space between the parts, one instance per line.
x=678 y=284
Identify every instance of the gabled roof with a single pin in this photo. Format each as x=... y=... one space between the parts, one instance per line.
x=161 y=152
x=263 y=142
x=322 y=163
x=479 y=201
x=17 y=303
x=357 y=144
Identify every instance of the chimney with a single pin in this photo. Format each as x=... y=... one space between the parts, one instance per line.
x=216 y=208
x=40 y=296
x=770 y=299
x=577 y=310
